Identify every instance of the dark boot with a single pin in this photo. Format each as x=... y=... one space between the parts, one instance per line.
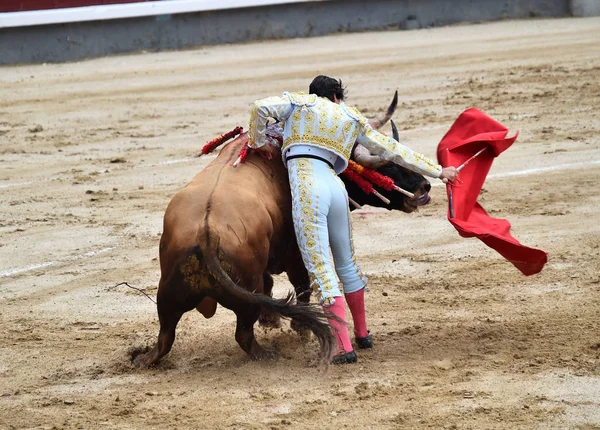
x=365 y=342
x=347 y=358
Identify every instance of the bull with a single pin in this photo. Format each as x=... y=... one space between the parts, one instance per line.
x=230 y=229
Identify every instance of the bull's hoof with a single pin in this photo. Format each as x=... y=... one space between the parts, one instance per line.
x=269 y=320
x=265 y=354
x=142 y=361
x=142 y=358
x=305 y=333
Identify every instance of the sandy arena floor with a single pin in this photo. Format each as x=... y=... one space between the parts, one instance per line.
x=91 y=152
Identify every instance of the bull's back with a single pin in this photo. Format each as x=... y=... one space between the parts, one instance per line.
x=239 y=209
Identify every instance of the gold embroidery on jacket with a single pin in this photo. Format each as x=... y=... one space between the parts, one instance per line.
x=303 y=98
x=324 y=142
x=307 y=234
x=317 y=121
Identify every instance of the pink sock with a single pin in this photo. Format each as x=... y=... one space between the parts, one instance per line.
x=339 y=328
x=356 y=303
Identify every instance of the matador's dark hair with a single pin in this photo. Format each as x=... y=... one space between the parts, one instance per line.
x=324 y=86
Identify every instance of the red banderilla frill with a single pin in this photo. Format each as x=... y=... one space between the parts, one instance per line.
x=377 y=178
x=243 y=154
x=363 y=184
x=246 y=149
x=218 y=141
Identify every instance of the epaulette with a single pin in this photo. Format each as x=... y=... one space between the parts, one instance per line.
x=302 y=99
x=354 y=114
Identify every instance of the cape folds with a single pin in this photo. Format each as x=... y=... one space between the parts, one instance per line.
x=471 y=132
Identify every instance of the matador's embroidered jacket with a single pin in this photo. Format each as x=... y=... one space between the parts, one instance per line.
x=312 y=120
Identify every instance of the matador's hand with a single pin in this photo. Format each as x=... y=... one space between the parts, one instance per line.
x=266 y=151
x=449 y=174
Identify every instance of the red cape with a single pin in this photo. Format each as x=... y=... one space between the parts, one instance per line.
x=471 y=132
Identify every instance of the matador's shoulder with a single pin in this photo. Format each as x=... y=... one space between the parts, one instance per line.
x=355 y=114
x=302 y=99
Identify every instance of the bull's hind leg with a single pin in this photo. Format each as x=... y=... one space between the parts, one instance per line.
x=169 y=318
x=172 y=302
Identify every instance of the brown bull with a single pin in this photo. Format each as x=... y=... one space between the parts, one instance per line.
x=224 y=235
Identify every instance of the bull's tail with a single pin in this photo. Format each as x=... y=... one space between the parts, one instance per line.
x=306 y=315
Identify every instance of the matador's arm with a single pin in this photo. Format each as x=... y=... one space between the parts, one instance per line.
x=271 y=107
x=391 y=150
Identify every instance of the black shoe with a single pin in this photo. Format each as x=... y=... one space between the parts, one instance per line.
x=365 y=342
x=347 y=358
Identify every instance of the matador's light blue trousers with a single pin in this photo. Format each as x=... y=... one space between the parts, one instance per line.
x=322 y=223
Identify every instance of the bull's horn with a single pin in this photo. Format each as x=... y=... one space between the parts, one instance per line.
x=392 y=108
x=376 y=123
x=395 y=131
